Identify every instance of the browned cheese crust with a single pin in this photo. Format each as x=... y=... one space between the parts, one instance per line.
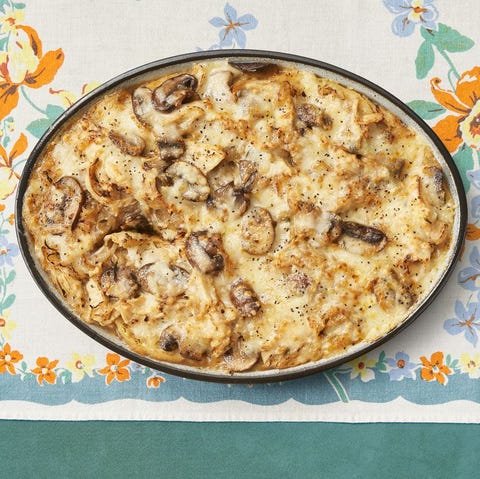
x=236 y=218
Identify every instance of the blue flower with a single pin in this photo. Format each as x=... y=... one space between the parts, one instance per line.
x=8 y=251
x=475 y=210
x=474 y=178
x=469 y=278
x=401 y=367
x=233 y=28
x=467 y=322
x=411 y=12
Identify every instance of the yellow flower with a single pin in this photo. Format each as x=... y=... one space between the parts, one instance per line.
x=81 y=365
x=470 y=365
x=10 y=19
x=68 y=98
x=6 y=325
x=362 y=367
x=25 y=64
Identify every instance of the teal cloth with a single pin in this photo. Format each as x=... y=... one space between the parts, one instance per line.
x=236 y=450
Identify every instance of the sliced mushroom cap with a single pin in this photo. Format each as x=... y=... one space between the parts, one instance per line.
x=239 y=358
x=258 y=231
x=247 y=171
x=175 y=338
x=362 y=232
x=162 y=279
x=231 y=200
x=171 y=150
x=174 y=91
x=244 y=298
x=63 y=205
x=203 y=251
x=119 y=282
x=142 y=102
x=251 y=67
x=310 y=115
x=130 y=144
x=432 y=189
x=189 y=181
x=131 y=217
x=389 y=291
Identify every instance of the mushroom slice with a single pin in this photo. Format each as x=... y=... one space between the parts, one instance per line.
x=119 y=282
x=247 y=171
x=174 y=338
x=142 y=102
x=432 y=189
x=131 y=217
x=389 y=291
x=174 y=91
x=231 y=200
x=131 y=144
x=258 y=231
x=238 y=358
x=162 y=279
x=171 y=150
x=251 y=67
x=63 y=206
x=362 y=232
x=189 y=181
x=244 y=298
x=203 y=252
x=309 y=115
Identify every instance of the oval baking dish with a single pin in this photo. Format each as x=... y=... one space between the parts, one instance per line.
x=178 y=64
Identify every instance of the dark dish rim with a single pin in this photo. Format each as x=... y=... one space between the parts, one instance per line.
x=265 y=376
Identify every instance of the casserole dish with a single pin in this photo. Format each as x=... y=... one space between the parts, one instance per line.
x=199 y=245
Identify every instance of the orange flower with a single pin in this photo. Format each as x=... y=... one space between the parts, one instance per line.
x=25 y=64
x=435 y=369
x=155 y=381
x=11 y=219
x=115 y=369
x=8 y=177
x=2 y=206
x=44 y=371
x=464 y=102
x=8 y=358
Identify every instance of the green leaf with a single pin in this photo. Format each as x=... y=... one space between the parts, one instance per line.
x=18 y=5
x=9 y=300
x=10 y=277
x=54 y=111
x=426 y=109
x=448 y=39
x=448 y=359
x=38 y=127
x=2 y=5
x=464 y=160
x=454 y=364
x=23 y=366
x=4 y=232
x=1 y=283
x=424 y=60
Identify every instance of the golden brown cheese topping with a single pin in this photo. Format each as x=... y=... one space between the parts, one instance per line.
x=238 y=217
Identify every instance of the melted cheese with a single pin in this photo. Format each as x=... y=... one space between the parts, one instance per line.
x=356 y=219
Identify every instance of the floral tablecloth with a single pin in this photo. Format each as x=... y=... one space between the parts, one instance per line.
x=426 y=52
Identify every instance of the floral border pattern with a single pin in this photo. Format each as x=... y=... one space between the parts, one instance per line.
x=24 y=66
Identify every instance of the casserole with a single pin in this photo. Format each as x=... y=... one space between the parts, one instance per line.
x=204 y=253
